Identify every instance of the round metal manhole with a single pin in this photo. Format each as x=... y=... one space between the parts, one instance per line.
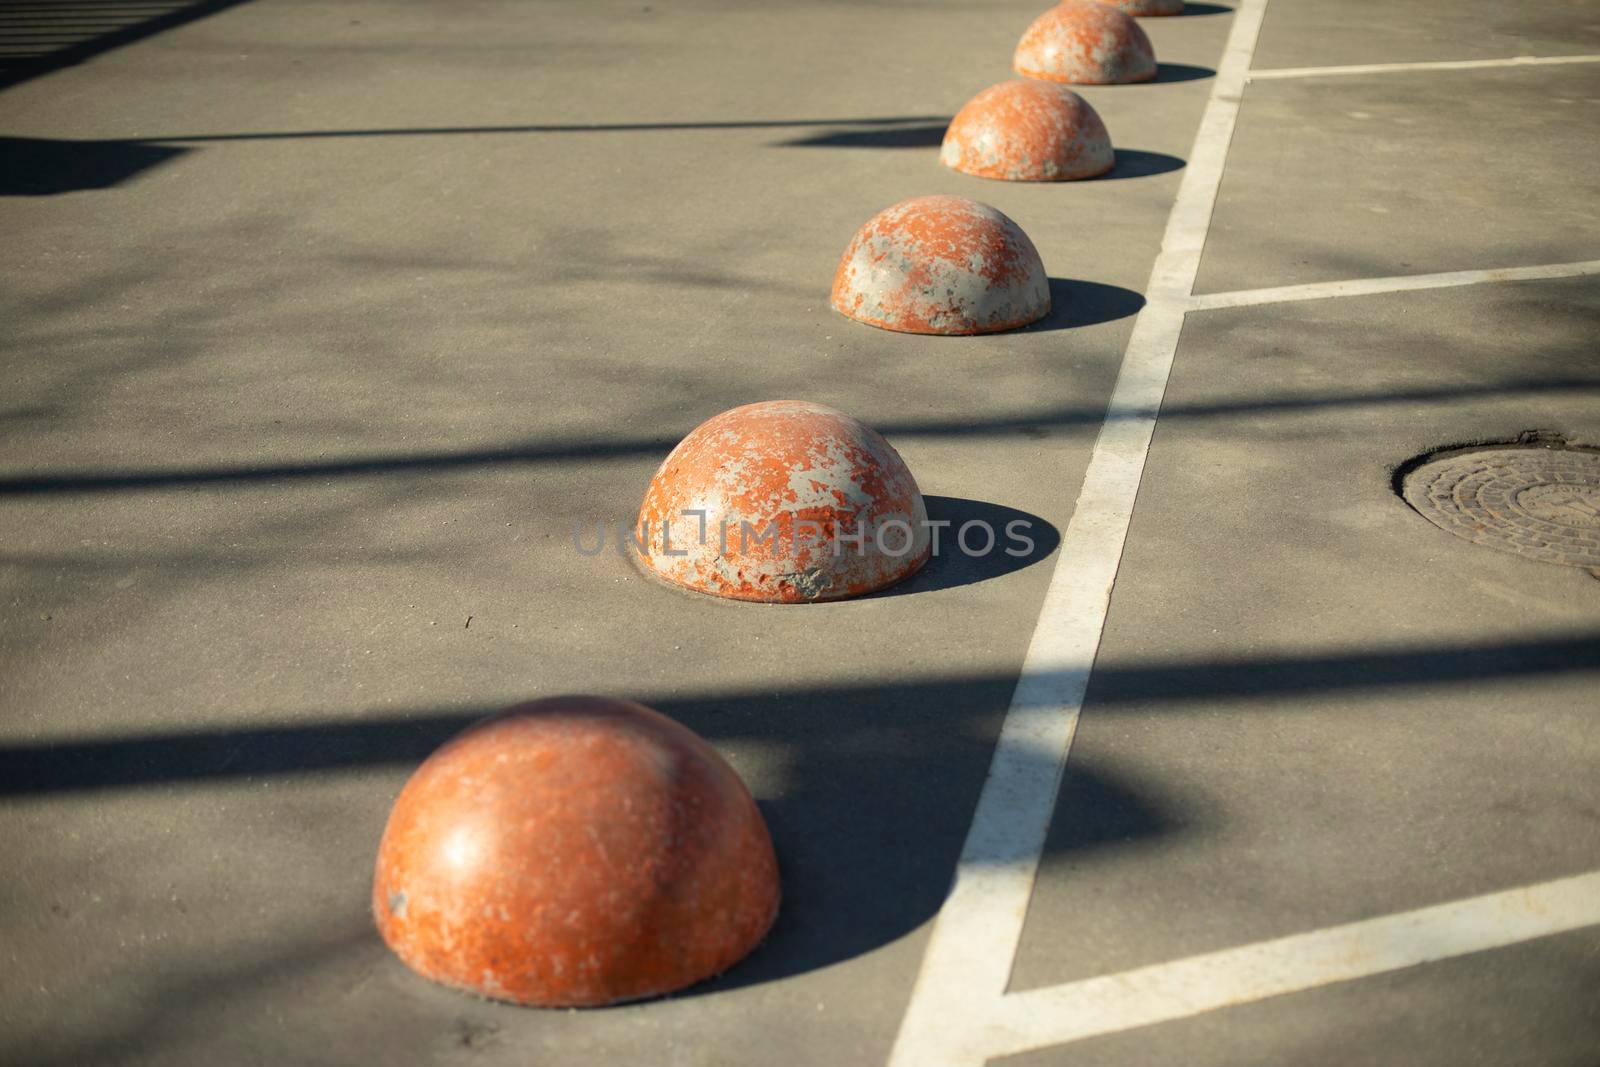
x=1538 y=502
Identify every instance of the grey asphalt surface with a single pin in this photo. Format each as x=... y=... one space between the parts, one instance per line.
x=323 y=325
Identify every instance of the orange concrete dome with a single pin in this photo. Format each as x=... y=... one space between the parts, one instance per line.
x=572 y=852
x=941 y=264
x=783 y=502
x=1085 y=42
x=1149 y=8
x=1028 y=131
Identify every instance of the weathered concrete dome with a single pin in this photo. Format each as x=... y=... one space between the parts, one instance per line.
x=571 y=852
x=1149 y=8
x=1028 y=131
x=1085 y=42
x=783 y=502
x=941 y=264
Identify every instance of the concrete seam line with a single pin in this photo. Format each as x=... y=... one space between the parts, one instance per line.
x=1183 y=988
x=1393 y=284
x=975 y=937
x=1396 y=68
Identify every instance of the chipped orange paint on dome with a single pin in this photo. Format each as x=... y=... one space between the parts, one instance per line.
x=784 y=502
x=1149 y=8
x=573 y=852
x=1028 y=131
x=942 y=265
x=1085 y=42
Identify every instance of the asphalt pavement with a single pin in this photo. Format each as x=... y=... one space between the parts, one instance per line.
x=323 y=328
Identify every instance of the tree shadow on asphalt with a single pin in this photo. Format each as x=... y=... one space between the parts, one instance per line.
x=545 y=127
x=833 y=721
x=563 y=450
x=38 y=166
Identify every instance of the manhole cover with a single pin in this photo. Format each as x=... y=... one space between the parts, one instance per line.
x=1543 y=503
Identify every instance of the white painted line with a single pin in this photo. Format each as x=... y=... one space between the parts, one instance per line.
x=1396 y=68
x=974 y=941
x=1395 y=284
x=1177 y=990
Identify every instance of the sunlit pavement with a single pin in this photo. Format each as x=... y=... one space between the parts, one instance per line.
x=326 y=327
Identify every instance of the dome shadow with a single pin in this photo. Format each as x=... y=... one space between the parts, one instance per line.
x=1019 y=539
x=1075 y=302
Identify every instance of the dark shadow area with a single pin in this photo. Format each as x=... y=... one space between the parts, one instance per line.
x=77 y=30
x=76 y=766
x=1135 y=163
x=1180 y=72
x=927 y=136
x=868 y=813
x=32 y=166
x=540 y=452
x=525 y=453
x=1075 y=302
x=587 y=127
x=959 y=560
x=1344 y=672
x=877 y=781
x=846 y=893
x=1206 y=9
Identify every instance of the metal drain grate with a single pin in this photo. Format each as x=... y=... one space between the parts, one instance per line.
x=1542 y=503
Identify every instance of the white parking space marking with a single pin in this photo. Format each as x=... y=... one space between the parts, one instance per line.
x=974 y=942
x=1398 y=283
x=1398 y=68
x=1176 y=990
